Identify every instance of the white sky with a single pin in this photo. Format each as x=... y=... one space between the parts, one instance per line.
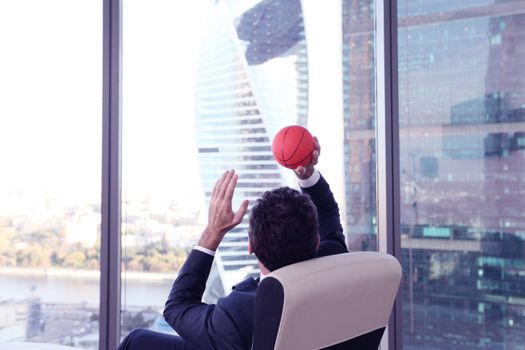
x=50 y=99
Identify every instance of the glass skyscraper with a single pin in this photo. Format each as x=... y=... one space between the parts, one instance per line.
x=252 y=80
x=359 y=116
x=462 y=166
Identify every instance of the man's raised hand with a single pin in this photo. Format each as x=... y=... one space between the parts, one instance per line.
x=221 y=217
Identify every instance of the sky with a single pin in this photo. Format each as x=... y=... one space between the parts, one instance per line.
x=50 y=99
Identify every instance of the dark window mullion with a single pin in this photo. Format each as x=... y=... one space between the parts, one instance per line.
x=111 y=178
x=388 y=148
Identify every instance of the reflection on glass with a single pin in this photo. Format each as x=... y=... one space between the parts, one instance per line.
x=462 y=154
x=50 y=147
x=359 y=123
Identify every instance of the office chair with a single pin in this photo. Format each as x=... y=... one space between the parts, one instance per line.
x=336 y=302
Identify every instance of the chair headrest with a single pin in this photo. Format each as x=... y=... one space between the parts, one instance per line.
x=335 y=298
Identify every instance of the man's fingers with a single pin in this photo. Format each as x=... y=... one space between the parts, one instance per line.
x=300 y=170
x=316 y=152
x=317 y=145
x=315 y=157
x=225 y=183
x=237 y=218
x=231 y=188
x=217 y=186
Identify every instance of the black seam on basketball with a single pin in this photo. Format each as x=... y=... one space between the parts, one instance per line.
x=296 y=148
x=299 y=162
x=282 y=143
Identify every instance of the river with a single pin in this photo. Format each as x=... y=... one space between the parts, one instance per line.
x=67 y=290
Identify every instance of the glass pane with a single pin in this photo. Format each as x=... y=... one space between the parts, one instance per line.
x=161 y=193
x=205 y=89
x=359 y=98
x=50 y=149
x=462 y=160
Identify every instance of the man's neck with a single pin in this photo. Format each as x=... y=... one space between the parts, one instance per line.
x=264 y=270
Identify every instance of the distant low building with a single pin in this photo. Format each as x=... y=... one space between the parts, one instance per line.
x=13 y=317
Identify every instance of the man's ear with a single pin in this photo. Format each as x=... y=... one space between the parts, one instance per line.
x=250 y=249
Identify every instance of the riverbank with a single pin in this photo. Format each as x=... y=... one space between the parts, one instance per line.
x=84 y=274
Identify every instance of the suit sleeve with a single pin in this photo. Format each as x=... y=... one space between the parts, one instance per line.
x=330 y=229
x=192 y=319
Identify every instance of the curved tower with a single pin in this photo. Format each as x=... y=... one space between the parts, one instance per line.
x=252 y=80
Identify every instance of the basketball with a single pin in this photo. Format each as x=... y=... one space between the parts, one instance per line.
x=292 y=146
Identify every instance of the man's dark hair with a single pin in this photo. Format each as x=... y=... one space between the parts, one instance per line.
x=283 y=228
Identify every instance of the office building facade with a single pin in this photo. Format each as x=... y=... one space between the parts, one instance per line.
x=359 y=117
x=462 y=160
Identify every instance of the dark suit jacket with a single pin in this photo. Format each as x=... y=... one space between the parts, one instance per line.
x=229 y=323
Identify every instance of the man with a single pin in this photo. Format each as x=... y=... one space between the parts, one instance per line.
x=286 y=227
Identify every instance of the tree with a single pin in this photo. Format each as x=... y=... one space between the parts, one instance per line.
x=75 y=260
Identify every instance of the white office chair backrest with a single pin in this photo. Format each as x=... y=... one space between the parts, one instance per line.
x=326 y=301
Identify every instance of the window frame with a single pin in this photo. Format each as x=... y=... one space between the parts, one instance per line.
x=110 y=244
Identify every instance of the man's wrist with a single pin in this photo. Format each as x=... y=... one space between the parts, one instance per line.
x=309 y=172
x=209 y=240
x=311 y=180
x=204 y=250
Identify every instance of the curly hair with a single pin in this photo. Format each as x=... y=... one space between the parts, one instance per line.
x=283 y=228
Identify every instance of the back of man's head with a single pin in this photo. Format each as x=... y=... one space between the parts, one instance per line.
x=283 y=228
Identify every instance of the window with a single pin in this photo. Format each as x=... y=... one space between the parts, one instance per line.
x=50 y=184
x=204 y=90
x=202 y=93
x=461 y=111
x=162 y=199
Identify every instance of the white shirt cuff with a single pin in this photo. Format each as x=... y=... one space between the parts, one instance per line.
x=311 y=181
x=204 y=250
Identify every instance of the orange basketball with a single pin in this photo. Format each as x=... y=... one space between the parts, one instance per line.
x=293 y=146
